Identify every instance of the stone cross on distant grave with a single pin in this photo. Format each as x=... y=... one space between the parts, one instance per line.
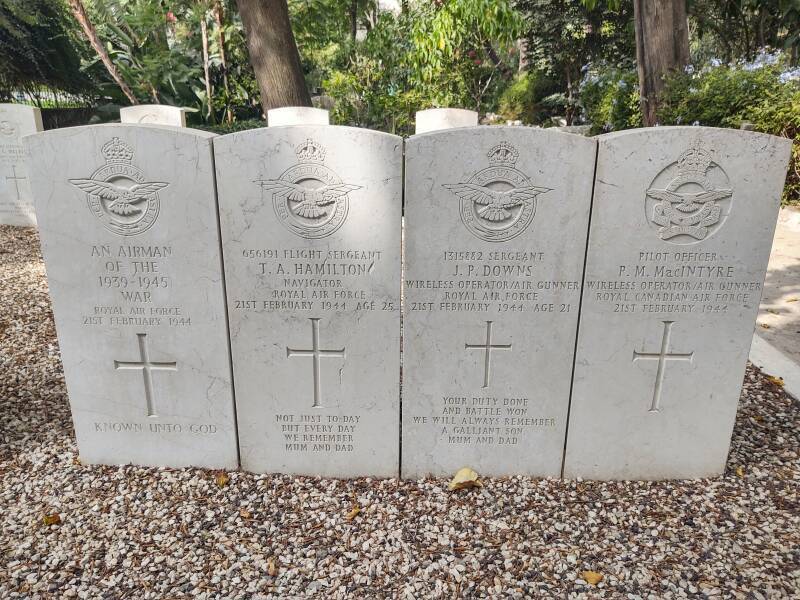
x=487 y=348
x=146 y=366
x=662 y=357
x=316 y=353
x=16 y=179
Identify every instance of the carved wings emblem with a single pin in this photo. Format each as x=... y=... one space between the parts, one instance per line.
x=495 y=204
x=124 y=201
x=309 y=202
x=689 y=202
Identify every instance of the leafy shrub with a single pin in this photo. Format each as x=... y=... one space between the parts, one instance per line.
x=242 y=125
x=763 y=92
x=524 y=99
x=609 y=97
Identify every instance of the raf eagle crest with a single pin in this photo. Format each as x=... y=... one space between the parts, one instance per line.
x=498 y=202
x=118 y=194
x=309 y=198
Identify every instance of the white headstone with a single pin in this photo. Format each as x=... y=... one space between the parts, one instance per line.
x=495 y=230
x=682 y=223
x=297 y=115
x=311 y=236
x=129 y=231
x=434 y=119
x=153 y=114
x=16 y=203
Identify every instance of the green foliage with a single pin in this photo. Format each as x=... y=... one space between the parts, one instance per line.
x=778 y=113
x=529 y=98
x=609 y=97
x=453 y=53
x=728 y=95
x=565 y=35
x=38 y=49
x=238 y=125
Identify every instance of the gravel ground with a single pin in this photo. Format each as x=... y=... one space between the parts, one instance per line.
x=132 y=532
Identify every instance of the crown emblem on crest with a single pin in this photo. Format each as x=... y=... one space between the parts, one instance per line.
x=503 y=154
x=117 y=151
x=6 y=128
x=310 y=151
x=695 y=160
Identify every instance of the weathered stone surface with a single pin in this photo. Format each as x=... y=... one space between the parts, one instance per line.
x=129 y=231
x=311 y=235
x=496 y=225
x=297 y=115
x=153 y=114
x=682 y=222
x=435 y=119
x=16 y=203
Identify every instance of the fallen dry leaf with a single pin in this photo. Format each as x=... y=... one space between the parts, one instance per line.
x=464 y=478
x=740 y=471
x=592 y=577
x=53 y=519
x=272 y=568
x=792 y=299
x=245 y=514
x=764 y=325
x=222 y=479
x=352 y=514
x=773 y=311
x=775 y=380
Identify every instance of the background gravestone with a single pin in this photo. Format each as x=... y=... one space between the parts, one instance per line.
x=16 y=203
x=682 y=223
x=496 y=224
x=311 y=235
x=153 y=114
x=129 y=230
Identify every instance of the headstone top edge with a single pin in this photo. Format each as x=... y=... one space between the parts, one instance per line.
x=18 y=107
x=237 y=135
x=529 y=131
x=614 y=135
x=136 y=107
x=67 y=131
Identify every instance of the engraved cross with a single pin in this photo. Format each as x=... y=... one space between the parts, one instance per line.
x=16 y=178
x=316 y=353
x=146 y=366
x=662 y=357
x=487 y=348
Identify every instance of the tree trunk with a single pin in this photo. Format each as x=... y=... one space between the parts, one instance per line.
x=218 y=18
x=353 y=19
x=206 y=74
x=273 y=53
x=79 y=12
x=662 y=45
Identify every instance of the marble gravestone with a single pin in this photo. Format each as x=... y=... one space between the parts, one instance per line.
x=434 y=119
x=129 y=231
x=153 y=114
x=311 y=219
x=496 y=225
x=297 y=115
x=681 y=229
x=16 y=204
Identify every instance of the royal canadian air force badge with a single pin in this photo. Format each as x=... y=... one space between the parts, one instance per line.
x=693 y=201
x=118 y=193
x=497 y=203
x=309 y=199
